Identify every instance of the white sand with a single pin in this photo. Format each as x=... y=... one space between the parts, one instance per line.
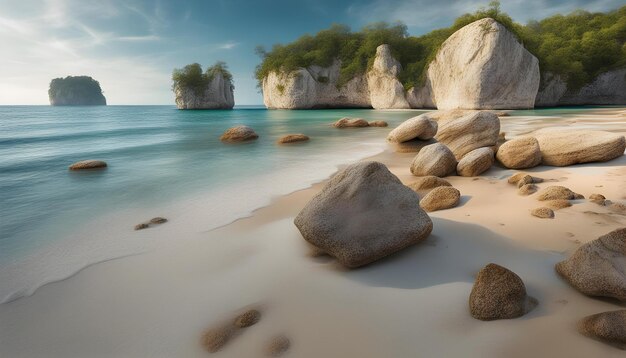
x=411 y=304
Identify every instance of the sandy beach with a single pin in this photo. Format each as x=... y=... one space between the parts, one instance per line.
x=411 y=304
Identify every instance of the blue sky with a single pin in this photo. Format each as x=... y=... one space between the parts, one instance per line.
x=131 y=46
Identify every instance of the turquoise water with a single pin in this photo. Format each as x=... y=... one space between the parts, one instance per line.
x=155 y=154
x=157 y=157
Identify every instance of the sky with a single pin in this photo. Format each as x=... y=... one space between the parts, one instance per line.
x=132 y=46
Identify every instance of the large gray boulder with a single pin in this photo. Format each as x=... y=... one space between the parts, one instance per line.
x=598 y=268
x=484 y=66
x=434 y=159
x=608 y=327
x=498 y=293
x=363 y=214
x=464 y=131
x=218 y=94
x=561 y=147
x=422 y=127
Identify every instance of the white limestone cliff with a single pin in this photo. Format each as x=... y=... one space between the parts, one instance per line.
x=607 y=88
x=218 y=94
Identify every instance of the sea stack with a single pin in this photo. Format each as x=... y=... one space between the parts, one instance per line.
x=212 y=89
x=76 y=91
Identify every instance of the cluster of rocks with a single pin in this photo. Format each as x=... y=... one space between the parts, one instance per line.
x=468 y=143
x=216 y=337
x=242 y=133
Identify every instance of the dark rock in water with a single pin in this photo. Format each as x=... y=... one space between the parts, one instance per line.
x=88 y=164
x=247 y=319
x=598 y=268
x=293 y=138
x=277 y=346
x=158 y=220
x=142 y=226
x=216 y=338
x=239 y=134
x=76 y=91
x=608 y=327
x=363 y=214
x=499 y=293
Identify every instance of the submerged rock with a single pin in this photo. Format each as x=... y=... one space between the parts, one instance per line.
x=239 y=134
x=598 y=268
x=247 y=319
x=363 y=214
x=608 y=327
x=561 y=147
x=378 y=124
x=420 y=127
x=484 y=66
x=499 y=293
x=475 y=162
x=351 y=122
x=598 y=199
x=293 y=138
x=520 y=153
x=440 y=198
x=435 y=159
x=88 y=164
x=558 y=192
x=464 y=131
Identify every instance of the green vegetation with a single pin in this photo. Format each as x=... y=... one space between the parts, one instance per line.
x=577 y=46
x=75 y=91
x=191 y=76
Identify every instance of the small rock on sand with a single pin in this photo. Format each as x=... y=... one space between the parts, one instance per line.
x=558 y=192
x=527 y=179
x=499 y=293
x=558 y=204
x=598 y=268
x=378 y=124
x=88 y=164
x=351 y=123
x=428 y=182
x=440 y=198
x=292 y=138
x=215 y=338
x=247 y=319
x=607 y=327
x=527 y=189
x=543 y=213
x=597 y=198
x=435 y=159
x=277 y=346
x=239 y=134
x=517 y=177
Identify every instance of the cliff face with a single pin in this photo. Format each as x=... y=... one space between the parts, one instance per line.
x=607 y=88
x=483 y=66
x=76 y=91
x=218 y=94
x=316 y=87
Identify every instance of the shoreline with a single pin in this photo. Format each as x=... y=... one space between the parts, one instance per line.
x=243 y=263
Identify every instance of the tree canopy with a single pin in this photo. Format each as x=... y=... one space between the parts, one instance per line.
x=191 y=76
x=578 y=46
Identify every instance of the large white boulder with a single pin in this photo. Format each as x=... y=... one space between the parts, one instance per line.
x=562 y=147
x=484 y=66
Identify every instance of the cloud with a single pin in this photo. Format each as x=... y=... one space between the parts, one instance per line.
x=227 y=46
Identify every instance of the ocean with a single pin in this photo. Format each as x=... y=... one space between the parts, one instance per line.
x=158 y=157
